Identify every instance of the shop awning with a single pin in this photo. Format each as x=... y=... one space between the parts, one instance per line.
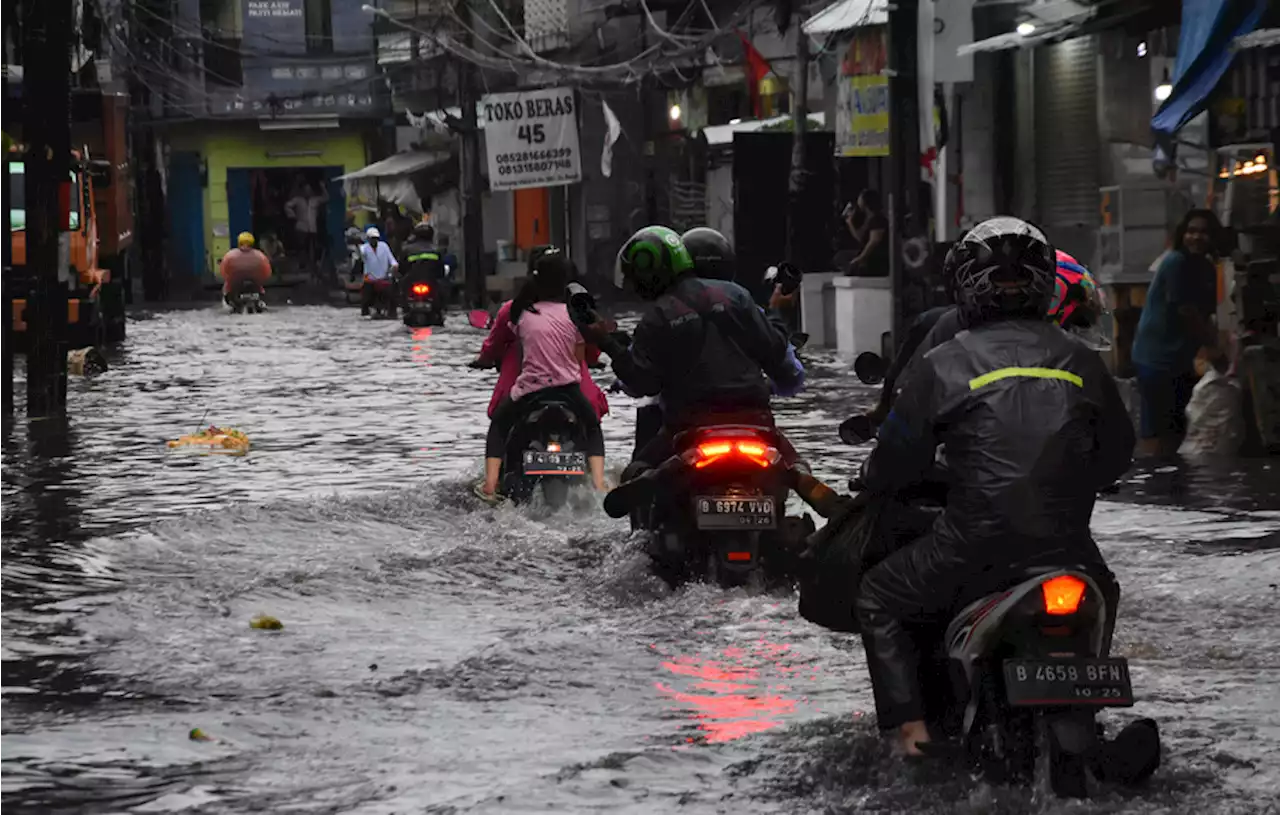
x=846 y=15
x=400 y=164
x=723 y=134
x=1209 y=27
x=392 y=179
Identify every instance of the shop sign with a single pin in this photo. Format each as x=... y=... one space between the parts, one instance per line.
x=532 y=138
x=862 y=103
x=259 y=9
x=314 y=103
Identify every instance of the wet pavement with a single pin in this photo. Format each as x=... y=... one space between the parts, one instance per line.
x=443 y=657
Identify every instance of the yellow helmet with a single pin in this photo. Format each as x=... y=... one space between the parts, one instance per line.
x=244 y=239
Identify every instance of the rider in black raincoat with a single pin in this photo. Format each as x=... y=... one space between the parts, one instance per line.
x=1031 y=425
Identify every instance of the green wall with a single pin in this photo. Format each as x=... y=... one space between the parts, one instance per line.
x=225 y=146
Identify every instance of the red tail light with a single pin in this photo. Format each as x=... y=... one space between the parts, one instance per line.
x=712 y=451
x=553 y=447
x=421 y=289
x=1062 y=594
x=738 y=556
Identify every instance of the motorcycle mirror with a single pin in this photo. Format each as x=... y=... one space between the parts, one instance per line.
x=799 y=339
x=857 y=430
x=870 y=368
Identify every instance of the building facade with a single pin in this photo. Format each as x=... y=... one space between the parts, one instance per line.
x=256 y=102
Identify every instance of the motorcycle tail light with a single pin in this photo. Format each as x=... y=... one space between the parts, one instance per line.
x=738 y=556
x=1062 y=594
x=753 y=450
x=421 y=288
x=553 y=447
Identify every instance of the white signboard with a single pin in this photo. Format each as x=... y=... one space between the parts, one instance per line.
x=532 y=138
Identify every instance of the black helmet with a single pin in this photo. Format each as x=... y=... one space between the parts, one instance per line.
x=1002 y=268
x=713 y=257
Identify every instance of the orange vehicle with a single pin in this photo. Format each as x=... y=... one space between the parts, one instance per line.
x=100 y=233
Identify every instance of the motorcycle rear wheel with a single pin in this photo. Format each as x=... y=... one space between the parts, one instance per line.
x=555 y=491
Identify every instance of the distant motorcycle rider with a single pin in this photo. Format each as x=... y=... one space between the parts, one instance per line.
x=422 y=260
x=1031 y=425
x=703 y=346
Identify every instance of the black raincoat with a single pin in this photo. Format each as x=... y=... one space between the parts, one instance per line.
x=1031 y=426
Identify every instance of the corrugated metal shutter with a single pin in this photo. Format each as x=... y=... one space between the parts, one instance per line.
x=1066 y=137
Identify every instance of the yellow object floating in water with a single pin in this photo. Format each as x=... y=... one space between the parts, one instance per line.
x=266 y=622
x=197 y=734
x=215 y=440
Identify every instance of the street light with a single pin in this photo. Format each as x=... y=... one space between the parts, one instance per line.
x=1026 y=29
x=1165 y=89
x=675 y=113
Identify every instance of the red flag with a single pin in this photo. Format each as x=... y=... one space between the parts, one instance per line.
x=757 y=69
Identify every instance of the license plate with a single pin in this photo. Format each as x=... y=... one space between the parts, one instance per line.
x=538 y=463
x=725 y=512
x=421 y=305
x=1075 y=681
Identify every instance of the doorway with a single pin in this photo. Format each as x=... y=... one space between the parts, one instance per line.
x=296 y=215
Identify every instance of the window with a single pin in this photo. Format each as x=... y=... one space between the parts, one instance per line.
x=18 y=198
x=319 y=20
x=223 y=29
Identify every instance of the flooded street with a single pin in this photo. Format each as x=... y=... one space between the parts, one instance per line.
x=440 y=656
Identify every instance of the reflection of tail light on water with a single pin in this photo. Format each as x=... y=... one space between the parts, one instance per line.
x=733 y=696
x=421 y=350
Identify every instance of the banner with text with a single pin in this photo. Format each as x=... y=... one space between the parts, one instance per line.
x=532 y=139
x=862 y=99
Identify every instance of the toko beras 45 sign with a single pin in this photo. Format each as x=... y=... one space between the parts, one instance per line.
x=532 y=138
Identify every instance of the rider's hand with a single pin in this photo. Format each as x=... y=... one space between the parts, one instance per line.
x=778 y=300
x=599 y=330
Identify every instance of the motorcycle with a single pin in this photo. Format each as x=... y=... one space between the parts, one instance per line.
x=716 y=509
x=1026 y=677
x=247 y=297
x=546 y=449
x=384 y=298
x=423 y=304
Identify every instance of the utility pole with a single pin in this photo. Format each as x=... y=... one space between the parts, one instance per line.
x=470 y=181
x=904 y=145
x=799 y=131
x=46 y=95
x=650 y=150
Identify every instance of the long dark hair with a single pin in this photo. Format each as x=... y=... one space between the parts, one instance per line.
x=1215 y=230
x=551 y=272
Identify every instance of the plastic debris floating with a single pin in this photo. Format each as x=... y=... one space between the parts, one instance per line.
x=215 y=439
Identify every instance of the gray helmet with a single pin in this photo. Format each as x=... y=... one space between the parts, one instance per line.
x=713 y=256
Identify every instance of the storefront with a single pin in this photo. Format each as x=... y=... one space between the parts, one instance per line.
x=230 y=178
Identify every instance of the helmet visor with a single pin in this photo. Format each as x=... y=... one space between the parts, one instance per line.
x=619 y=279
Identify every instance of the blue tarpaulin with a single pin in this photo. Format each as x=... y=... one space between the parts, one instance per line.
x=1204 y=55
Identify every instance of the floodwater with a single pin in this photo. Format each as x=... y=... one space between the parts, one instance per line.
x=443 y=657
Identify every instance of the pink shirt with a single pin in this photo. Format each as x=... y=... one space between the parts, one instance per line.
x=501 y=346
x=548 y=341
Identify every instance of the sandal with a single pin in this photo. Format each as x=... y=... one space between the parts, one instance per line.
x=493 y=499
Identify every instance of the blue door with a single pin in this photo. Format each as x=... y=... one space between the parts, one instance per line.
x=239 y=202
x=336 y=212
x=186 y=211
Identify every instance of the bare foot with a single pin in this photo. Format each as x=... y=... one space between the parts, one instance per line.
x=910 y=735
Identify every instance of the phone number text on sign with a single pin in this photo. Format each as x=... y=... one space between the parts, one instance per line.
x=532 y=139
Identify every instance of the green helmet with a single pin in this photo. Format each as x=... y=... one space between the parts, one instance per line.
x=652 y=259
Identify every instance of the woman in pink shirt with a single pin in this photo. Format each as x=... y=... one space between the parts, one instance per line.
x=552 y=360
